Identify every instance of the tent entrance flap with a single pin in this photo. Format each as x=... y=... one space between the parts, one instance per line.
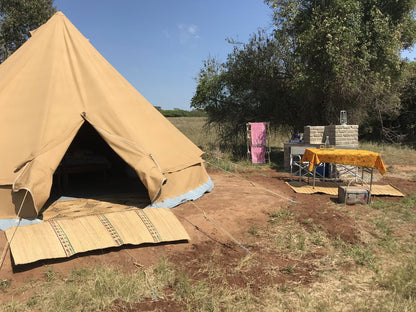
x=91 y=168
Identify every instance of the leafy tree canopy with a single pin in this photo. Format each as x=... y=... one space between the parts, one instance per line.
x=349 y=53
x=322 y=56
x=17 y=19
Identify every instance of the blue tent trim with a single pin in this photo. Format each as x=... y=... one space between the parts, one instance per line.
x=8 y=223
x=191 y=195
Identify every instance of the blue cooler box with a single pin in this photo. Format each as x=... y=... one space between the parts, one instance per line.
x=320 y=170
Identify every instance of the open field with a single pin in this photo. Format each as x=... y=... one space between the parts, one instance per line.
x=206 y=137
x=255 y=246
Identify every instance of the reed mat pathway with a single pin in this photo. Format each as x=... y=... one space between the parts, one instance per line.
x=331 y=188
x=65 y=237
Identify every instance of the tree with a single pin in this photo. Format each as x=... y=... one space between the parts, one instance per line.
x=406 y=121
x=348 y=53
x=401 y=126
x=322 y=56
x=245 y=88
x=17 y=19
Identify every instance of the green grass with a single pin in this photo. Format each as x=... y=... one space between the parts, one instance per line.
x=92 y=289
x=383 y=226
x=95 y=289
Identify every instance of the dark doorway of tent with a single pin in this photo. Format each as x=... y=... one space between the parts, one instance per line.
x=92 y=178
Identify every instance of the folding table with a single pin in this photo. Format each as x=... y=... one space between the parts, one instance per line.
x=367 y=160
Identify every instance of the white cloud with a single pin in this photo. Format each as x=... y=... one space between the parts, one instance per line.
x=193 y=30
x=188 y=33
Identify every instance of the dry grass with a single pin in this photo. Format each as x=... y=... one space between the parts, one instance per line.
x=369 y=276
x=195 y=129
x=84 y=290
x=373 y=275
x=97 y=288
x=392 y=153
x=206 y=138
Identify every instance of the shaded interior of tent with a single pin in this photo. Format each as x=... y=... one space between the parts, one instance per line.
x=90 y=169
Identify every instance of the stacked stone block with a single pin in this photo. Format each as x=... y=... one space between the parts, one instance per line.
x=343 y=135
x=339 y=135
x=313 y=134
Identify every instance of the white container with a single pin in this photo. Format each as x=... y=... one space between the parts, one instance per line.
x=343 y=117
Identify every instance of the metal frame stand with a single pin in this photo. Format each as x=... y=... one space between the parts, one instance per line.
x=268 y=150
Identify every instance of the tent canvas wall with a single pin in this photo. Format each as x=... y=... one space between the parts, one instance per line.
x=49 y=88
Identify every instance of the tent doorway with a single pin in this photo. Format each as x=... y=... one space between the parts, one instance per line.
x=90 y=169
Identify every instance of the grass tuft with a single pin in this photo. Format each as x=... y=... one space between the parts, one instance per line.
x=281 y=214
x=253 y=230
x=5 y=283
x=383 y=226
x=49 y=275
x=402 y=280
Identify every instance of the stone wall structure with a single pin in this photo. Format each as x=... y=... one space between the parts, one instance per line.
x=313 y=134
x=340 y=136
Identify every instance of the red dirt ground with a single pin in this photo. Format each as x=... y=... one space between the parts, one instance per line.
x=235 y=204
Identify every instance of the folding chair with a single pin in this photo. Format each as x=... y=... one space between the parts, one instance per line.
x=296 y=165
x=299 y=168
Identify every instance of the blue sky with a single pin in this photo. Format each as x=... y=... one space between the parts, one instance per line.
x=159 y=46
x=409 y=54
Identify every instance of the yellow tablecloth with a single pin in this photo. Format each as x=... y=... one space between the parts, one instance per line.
x=360 y=158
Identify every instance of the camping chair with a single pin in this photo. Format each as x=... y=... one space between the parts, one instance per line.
x=299 y=168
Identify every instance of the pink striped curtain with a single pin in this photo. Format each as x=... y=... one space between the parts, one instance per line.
x=258 y=142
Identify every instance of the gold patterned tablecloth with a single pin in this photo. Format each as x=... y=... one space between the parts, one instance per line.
x=360 y=158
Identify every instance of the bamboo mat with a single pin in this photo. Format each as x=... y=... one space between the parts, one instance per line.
x=331 y=188
x=65 y=237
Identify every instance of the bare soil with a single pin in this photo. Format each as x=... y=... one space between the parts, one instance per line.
x=219 y=225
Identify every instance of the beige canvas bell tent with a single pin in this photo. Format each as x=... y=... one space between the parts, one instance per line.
x=56 y=83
